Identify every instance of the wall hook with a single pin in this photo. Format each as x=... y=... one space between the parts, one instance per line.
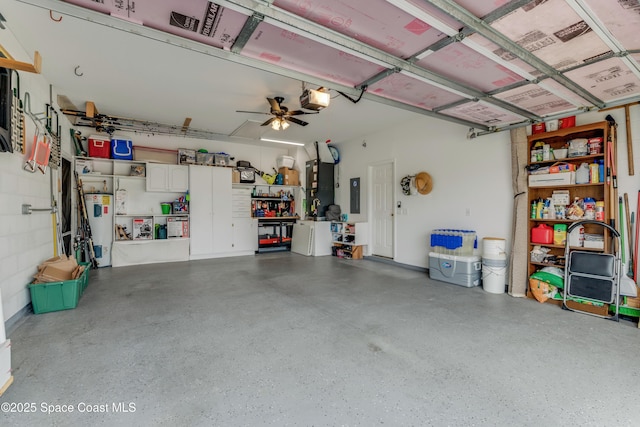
x=52 y=18
x=77 y=73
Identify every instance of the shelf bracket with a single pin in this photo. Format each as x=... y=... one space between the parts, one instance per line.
x=23 y=66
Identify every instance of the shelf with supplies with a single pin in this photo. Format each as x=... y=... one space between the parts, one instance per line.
x=348 y=239
x=135 y=222
x=582 y=190
x=273 y=201
x=274 y=234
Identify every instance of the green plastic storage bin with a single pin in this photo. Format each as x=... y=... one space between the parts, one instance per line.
x=57 y=296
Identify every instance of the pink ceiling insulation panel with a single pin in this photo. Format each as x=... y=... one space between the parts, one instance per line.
x=461 y=63
x=564 y=93
x=292 y=51
x=406 y=89
x=376 y=23
x=502 y=54
x=485 y=114
x=481 y=8
x=536 y=99
x=621 y=18
x=609 y=80
x=435 y=12
x=198 y=20
x=553 y=32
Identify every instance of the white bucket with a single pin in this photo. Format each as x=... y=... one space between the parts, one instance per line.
x=494 y=279
x=493 y=248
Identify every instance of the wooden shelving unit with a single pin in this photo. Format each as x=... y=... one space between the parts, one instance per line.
x=599 y=191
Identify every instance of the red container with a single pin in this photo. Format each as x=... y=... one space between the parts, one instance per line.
x=538 y=128
x=567 y=122
x=99 y=147
x=542 y=234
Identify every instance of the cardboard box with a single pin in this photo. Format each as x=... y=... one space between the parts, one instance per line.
x=552 y=179
x=142 y=228
x=235 y=176
x=177 y=227
x=150 y=154
x=57 y=269
x=290 y=176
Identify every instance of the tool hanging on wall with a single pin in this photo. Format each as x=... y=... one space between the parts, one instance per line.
x=612 y=176
x=55 y=157
x=41 y=148
x=77 y=143
x=58 y=243
x=17 y=118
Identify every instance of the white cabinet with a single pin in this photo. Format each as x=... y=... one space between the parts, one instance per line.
x=245 y=228
x=245 y=235
x=167 y=178
x=215 y=232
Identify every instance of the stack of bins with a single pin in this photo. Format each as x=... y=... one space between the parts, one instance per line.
x=494 y=265
x=451 y=258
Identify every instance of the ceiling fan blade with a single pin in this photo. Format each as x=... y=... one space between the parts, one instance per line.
x=299 y=112
x=297 y=121
x=275 y=107
x=252 y=112
x=268 y=122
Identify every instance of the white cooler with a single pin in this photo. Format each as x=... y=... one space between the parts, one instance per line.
x=457 y=269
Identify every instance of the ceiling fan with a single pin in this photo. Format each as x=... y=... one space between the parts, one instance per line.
x=281 y=114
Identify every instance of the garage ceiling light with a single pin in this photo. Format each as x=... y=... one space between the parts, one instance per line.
x=282 y=142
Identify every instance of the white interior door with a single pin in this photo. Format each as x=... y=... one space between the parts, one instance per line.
x=382 y=210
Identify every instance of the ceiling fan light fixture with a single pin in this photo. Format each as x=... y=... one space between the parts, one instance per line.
x=283 y=124
x=275 y=125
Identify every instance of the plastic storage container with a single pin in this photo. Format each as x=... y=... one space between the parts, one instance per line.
x=99 y=146
x=122 y=149
x=57 y=296
x=285 y=162
x=460 y=270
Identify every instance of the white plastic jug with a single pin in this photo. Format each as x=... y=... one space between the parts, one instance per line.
x=582 y=174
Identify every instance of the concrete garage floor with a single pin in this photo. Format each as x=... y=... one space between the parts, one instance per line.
x=282 y=339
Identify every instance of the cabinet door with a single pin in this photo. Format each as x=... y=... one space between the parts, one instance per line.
x=201 y=209
x=222 y=201
x=178 y=177
x=245 y=234
x=157 y=177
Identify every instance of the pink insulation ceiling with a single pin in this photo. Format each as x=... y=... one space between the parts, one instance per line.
x=461 y=63
x=276 y=45
x=384 y=26
x=516 y=62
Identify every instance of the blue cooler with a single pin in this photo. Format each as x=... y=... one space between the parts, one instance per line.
x=122 y=149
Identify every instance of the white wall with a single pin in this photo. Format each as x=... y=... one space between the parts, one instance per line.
x=467 y=174
x=25 y=240
x=472 y=175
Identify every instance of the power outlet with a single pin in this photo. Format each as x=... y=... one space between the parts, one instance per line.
x=467 y=212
